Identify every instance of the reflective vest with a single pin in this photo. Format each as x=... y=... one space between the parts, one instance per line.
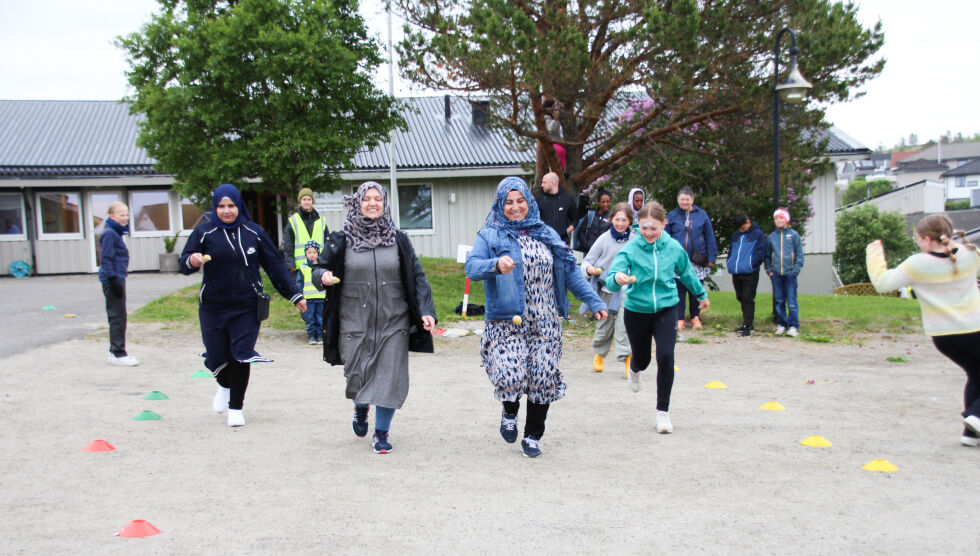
x=301 y=237
x=309 y=290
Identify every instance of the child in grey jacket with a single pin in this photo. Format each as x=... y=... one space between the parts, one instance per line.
x=784 y=261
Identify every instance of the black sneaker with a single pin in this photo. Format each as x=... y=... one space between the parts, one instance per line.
x=381 y=444
x=531 y=446
x=745 y=331
x=360 y=423
x=508 y=427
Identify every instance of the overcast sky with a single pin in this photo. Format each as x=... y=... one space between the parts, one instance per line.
x=62 y=49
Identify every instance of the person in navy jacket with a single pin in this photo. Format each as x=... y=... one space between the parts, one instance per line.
x=690 y=225
x=231 y=249
x=113 y=269
x=747 y=251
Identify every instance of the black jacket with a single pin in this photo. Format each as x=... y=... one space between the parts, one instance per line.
x=558 y=211
x=418 y=294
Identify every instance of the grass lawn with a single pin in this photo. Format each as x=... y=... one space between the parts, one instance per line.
x=823 y=317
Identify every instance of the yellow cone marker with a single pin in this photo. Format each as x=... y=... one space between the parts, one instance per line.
x=676 y=368
x=715 y=384
x=816 y=442
x=517 y=319
x=772 y=406
x=882 y=465
x=70 y=315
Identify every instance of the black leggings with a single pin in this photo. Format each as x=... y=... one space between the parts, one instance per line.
x=661 y=327
x=964 y=350
x=537 y=413
x=235 y=377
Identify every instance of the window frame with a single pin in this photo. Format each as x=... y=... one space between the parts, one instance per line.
x=432 y=205
x=180 y=214
x=132 y=214
x=58 y=236
x=960 y=181
x=22 y=236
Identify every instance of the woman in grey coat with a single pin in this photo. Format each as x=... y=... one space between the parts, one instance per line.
x=378 y=307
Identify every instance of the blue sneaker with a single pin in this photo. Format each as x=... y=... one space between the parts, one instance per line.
x=508 y=427
x=531 y=446
x=360 y=423
x=381 y=444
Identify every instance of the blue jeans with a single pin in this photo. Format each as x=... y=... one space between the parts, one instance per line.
x=784 y=297
x=313 y=317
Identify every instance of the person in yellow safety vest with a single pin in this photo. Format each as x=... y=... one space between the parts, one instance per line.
x=313 y=317
x=303 y=226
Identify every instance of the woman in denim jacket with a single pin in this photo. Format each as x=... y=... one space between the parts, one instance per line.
x=525 y=268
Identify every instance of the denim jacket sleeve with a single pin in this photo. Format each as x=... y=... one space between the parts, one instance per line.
x=480 y=265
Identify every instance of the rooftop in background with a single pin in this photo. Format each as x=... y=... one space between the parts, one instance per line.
x=46 y=138
x=950 y=151
x=968 y=169
x=920 y=165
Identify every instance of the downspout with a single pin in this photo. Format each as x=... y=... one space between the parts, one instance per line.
x=29 y=228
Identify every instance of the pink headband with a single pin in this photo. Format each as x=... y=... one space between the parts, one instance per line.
x=781 y=213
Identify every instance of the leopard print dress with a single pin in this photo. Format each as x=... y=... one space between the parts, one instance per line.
x=522 y=359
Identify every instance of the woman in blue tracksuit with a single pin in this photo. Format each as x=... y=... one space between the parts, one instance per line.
x=525 y=267
x=231 y=249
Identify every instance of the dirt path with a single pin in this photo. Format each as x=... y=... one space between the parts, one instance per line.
x=731 y=479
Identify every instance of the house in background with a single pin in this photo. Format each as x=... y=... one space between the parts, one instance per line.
x=914 y=170
x=963 y=182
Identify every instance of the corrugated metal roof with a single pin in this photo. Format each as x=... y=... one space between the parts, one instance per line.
x=434 y=142
x=56 y=133
x=98 y=138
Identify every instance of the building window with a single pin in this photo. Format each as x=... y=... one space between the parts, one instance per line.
x=149 y=211
x=415 y=207
x=971 y=183
x=60 y=214
x=12 y=217
x=960 y=181
x=190 y=215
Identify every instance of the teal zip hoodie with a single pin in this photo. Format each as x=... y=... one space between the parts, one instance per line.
x=655 y=265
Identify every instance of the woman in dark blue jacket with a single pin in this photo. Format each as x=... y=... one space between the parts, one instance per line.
x=525 y=268
x=231 y=249
x=690 y=225
x=113 y=269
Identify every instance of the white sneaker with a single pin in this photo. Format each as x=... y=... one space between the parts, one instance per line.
x=236 y=418
x=973 y=422
x=664 y=426
x=220 y=402
x=779 y=330
x=124 y=361
x=634 y=380
x=792 y=331
x=969 y=440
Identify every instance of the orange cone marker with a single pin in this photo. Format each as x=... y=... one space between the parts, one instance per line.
x=99 y=446
x=138 y=528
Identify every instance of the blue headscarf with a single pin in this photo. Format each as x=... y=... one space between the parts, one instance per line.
x=531 y=225
x=230 y=191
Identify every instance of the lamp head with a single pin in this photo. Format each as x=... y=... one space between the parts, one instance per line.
x=795 y=88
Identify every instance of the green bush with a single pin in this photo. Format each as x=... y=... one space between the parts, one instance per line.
x=860 y=189
x=958 y=205
x=858 y=227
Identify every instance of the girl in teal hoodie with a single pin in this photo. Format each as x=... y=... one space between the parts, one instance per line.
x=648 y=264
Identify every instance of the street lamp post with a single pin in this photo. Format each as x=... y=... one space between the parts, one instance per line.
x=793 y=91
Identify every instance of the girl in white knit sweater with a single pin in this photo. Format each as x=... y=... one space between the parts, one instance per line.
x=944 y=278
x=595 y=265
